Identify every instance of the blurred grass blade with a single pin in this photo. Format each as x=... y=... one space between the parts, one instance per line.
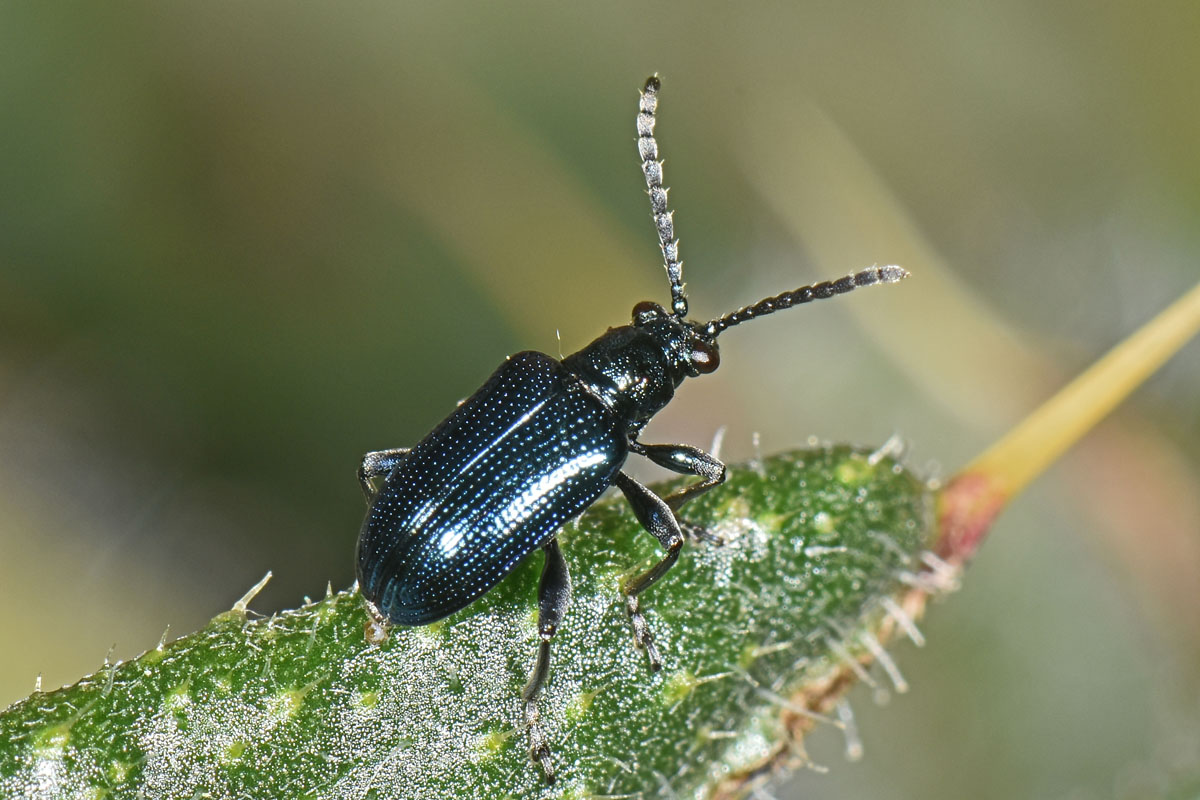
x=840 y=210
x=973 y=497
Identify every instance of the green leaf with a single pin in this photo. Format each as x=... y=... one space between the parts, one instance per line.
x=754 y=633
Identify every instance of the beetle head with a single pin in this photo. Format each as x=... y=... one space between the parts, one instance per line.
x=690 y=350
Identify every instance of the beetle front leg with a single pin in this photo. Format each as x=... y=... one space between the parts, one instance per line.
x=378 y=463
x=658 y=518
x=554 y=596
x=686 y=460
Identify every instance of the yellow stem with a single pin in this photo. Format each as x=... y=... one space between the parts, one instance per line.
x=1045 y=434
x=979 y=491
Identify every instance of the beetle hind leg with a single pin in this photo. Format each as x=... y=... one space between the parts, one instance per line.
x=658 y=518
x=378 y=463
x=554 y=596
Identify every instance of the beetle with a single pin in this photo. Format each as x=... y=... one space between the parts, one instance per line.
x=537 y=444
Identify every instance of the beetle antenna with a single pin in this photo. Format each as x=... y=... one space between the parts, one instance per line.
x=806 y=294
x=652 y=169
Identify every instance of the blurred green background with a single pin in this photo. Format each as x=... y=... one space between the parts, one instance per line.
x=242 y=244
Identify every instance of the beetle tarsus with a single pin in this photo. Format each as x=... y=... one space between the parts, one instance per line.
x=539 y=750
x=643 y=637
x=699 y=533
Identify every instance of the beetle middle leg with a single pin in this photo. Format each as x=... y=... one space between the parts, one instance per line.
x=378 y=463
x=658 y=518
x=554 y=596
x=686 y=460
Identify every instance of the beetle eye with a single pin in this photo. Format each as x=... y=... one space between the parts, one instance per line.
x=646 y=311
x=705 y=358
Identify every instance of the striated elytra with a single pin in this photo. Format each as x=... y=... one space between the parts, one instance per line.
x=537 y=444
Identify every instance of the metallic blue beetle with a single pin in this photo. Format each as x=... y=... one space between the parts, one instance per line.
x=538 y=444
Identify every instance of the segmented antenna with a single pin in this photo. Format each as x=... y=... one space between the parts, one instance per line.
x=652 y=169
x=806 y=294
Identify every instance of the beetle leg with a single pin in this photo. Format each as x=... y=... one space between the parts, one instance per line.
x=375 y=464
x=658 y=518
x=686 y=460
x=554 y=596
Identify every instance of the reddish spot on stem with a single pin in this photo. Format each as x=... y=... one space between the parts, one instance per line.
x=966 y=509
